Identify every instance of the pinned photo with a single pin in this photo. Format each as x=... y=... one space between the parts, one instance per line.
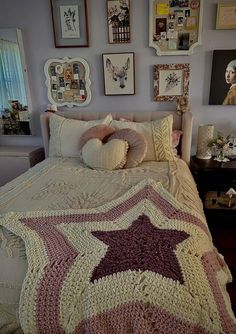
x=67 y=85
x=54 y=87
x=160 y=26
x=183 y=41
x=180 y=21
x=171 y=25
x=163 y=35
x=60 y=96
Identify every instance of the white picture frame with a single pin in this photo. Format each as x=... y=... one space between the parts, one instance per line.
x=185 y=38
x=76 y=72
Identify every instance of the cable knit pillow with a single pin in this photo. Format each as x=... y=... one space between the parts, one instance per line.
x=100 y=131
x=137 y=146
x=157 y=134
x=111 y=155
x=65 y=134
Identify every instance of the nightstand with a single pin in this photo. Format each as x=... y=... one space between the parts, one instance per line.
x=213 y=180
x=15 y=160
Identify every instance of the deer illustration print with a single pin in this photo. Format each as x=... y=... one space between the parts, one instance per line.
x=118 y=74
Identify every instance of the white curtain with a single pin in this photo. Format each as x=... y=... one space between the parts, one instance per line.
x=12 y=85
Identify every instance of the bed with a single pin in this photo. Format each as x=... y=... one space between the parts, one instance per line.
x=127 y=250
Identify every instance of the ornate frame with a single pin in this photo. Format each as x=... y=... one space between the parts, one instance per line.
x=171 y=28
x=172 y=79
x=68 y=81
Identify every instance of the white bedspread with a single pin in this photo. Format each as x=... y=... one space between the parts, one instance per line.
x=66 y=183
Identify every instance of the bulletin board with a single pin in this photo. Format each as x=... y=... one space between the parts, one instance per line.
x=68 y=82
x=175 y=26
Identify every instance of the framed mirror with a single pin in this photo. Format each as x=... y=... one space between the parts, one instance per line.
x=15 y=102
x=175 y=26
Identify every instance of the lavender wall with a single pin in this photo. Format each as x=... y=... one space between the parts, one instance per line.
x=34 y=18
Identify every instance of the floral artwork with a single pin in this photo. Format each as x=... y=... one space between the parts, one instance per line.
x=118 y=16
x=70 y=21
x=171 y=81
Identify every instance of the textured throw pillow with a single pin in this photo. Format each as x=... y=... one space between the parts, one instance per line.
x=176 y=135
x=100 y=131
x=137 y=146
x=65 y=134
x=111 y=155
x=157 y=134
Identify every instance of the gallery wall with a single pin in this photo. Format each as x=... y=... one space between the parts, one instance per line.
x=34 y=19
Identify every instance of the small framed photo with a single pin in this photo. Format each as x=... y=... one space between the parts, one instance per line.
x=118 y=19
x=191 y=22
x=171 y=81
x=70 y=25
x=226 y=16
x=119 y=76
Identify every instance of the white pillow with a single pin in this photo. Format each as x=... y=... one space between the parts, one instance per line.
x=158 y=135
x=65 y=134
x=111 y=155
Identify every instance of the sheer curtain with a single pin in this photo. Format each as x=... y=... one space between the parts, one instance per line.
x=11 y=76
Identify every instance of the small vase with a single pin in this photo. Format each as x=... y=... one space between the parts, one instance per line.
x=220 y=156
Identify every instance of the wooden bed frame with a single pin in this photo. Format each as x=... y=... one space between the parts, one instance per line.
x=183 y=123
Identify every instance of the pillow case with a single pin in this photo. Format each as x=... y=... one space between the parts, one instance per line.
x=65 y=134
x=137 y=146
x=111 y=155
x=157 y=134
x=176 y=135
x=101 y=131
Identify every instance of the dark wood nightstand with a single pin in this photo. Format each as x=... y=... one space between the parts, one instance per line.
x=213 y=180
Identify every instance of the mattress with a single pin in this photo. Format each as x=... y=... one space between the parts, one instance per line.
x=66 y=183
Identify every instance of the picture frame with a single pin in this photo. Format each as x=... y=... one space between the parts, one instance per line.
x=175 y=26
x=118 y=21
x=70 y=23
x=119 y=73
x=171 y=81
x=68 y=82
x=226 y=16
x=223 y=78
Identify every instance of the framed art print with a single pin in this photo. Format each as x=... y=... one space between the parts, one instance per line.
x=226 y=16
x=171 y=81
x=118 y=70
x=70 y=24
x=118 y=19
x=223 y=78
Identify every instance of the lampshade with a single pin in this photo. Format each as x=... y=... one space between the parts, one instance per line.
x=205 y=134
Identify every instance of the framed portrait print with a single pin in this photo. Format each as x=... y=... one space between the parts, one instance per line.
x=118 y=70
x=175 y=26
x=70 y=25
x=68 y=82
x=171 y=81
x=226 y=16
x=118 y=19
x=223 y=78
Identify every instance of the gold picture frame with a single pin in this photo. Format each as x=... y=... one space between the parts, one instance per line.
x=226 y=16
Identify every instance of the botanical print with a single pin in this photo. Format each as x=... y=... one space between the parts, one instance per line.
x=119 y=74
x=171 y=81
x=118 y=13
x=70 y=21
x=223 y=78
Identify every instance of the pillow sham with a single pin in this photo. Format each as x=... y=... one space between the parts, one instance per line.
x=111 y=155
x=176 y=135
x=101 y=131
x=137 y=146
x=65 y=134
x=157 y=134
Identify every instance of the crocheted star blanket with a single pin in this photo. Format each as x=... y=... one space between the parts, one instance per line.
x=142 y=263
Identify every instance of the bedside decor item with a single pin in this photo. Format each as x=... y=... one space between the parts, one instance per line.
x=223 y=78
x=171 y=81
x=205 y=134
x=221 y=146
x=68 y=82
x=118 y=18
x=118 y=70
x=175 y=27
x=70 y=25
x=226 y=16
x=182 y=105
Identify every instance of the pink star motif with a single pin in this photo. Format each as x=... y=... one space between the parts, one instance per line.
x=140 y=247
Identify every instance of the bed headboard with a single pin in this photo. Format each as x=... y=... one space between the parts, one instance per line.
x=183 y=123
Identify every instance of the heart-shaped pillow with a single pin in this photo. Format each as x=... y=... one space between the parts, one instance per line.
x=111 y=155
